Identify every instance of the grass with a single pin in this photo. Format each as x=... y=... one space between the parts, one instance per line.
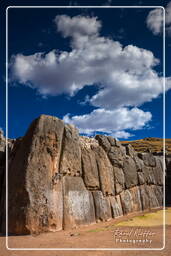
x=97 y=230
x=148 y=219
x=154 y=144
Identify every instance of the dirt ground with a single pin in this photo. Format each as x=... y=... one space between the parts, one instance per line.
x=141 y=231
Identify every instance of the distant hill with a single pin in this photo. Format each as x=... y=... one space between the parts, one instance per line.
x=149 y=144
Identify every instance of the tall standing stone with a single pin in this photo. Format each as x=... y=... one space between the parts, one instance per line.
x=32 y=192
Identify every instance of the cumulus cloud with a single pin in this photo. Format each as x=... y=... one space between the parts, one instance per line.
x=155 y=20
x=112 y=122
x=121 y=135
x=127 y=72
x=79 y=28
x=125 y=76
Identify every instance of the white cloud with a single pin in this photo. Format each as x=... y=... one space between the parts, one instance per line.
x=121 y=135
x=110 y=121
x=155 y=20
x=135 y=90
x=123 y=71
x=79 y=28
x=125 y=76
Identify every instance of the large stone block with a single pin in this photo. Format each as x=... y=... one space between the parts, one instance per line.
x=136 y=198
x=153 y=201
x=130 y=172
x=141 y=178
x=70 y=161
x=47 y=215
x=126 y=201
x=90 y=169
x=116 y=206
x=148 y=158
x=158 y=171
x=133 y=154
x=158 y=191
x=78 y=203
x=116 y=156
x=113 y=149
x=130 y=150
x=103 y=142
x=144 y=197
x=119 y=179
x=102 y=206
x=31 y=171
x=113 y=142
x=105 y=170
x=149 y=197
x=149 y=176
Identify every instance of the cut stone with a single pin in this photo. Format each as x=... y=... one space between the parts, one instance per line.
x=131 y=177
x=78 y=203
x=70 y=162
x=102 y=206
x=116 y=206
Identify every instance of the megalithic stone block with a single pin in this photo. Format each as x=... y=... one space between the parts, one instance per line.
x=78 y=203
x=105 y=170
x=130 y=172
x=136 y=198
x=116 y=206
x=32 y=192
x=127 y=201
x=70 y=162
x=89 y=164
x=102 y=206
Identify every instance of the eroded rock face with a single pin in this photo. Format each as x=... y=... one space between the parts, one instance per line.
x=59 y=180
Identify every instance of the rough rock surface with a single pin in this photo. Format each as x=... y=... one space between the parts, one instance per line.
x=32 y=196
x=102 y=206
x=89 y=164
x=70 y=162
x=59 y=180
x=78 y=203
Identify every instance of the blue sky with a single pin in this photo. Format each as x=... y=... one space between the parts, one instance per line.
x=99 y=69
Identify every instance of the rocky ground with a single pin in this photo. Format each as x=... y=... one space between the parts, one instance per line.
x=103 y=234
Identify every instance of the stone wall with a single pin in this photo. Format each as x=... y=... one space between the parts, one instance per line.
x=59 y=180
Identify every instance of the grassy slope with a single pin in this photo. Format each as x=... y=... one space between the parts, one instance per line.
x=148 y=219
x=152 y=144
